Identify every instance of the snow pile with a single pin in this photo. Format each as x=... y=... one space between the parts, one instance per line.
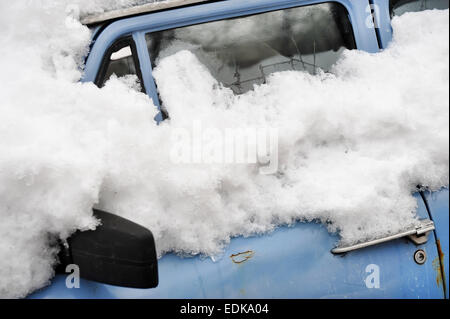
x=352 y=146
x=53 y=138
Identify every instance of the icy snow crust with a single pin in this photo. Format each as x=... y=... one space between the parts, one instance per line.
x=352 y=146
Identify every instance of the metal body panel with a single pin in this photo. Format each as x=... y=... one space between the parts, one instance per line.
x=438 y=204
x=382 y=22
x=291 y=262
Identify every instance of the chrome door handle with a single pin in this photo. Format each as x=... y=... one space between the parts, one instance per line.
x=418 y=234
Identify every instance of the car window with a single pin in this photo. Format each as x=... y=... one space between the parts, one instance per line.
x=398 y=7
x=242 y=52
x=119 y=60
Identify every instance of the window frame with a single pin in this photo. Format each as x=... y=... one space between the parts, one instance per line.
x=117 y=45
x=139 y=26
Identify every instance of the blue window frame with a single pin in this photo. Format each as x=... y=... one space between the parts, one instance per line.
x=137 y=27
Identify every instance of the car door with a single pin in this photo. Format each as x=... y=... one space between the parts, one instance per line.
x=291 y=262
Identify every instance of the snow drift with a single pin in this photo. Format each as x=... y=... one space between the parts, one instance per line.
x=353 y=145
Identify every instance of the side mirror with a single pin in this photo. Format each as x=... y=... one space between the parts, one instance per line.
x=119 y=252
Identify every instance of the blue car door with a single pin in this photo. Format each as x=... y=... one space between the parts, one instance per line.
x=292 y=262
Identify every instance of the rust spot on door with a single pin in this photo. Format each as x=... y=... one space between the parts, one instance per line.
x=242 y=257
x=437 y=269
x=438 y=266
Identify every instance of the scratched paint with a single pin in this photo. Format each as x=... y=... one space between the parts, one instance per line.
x=242 y=257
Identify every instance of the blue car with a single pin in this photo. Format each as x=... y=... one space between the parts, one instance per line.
x=119 y=261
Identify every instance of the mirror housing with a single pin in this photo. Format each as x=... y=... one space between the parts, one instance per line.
x=118 y=252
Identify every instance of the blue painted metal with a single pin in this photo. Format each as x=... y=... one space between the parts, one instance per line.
x=292 y=262
x=146 y=70
x=438 y=204
x=383 y=22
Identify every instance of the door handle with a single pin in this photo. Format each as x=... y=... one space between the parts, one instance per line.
x=418 y=234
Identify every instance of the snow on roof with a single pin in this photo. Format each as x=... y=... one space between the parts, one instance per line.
x=145 y=8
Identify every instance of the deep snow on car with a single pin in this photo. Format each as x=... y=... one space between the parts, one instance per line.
x=353 y=143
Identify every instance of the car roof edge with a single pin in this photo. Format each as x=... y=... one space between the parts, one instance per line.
x=136 y=10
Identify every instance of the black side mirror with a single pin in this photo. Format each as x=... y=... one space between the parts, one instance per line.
x=119 y=252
